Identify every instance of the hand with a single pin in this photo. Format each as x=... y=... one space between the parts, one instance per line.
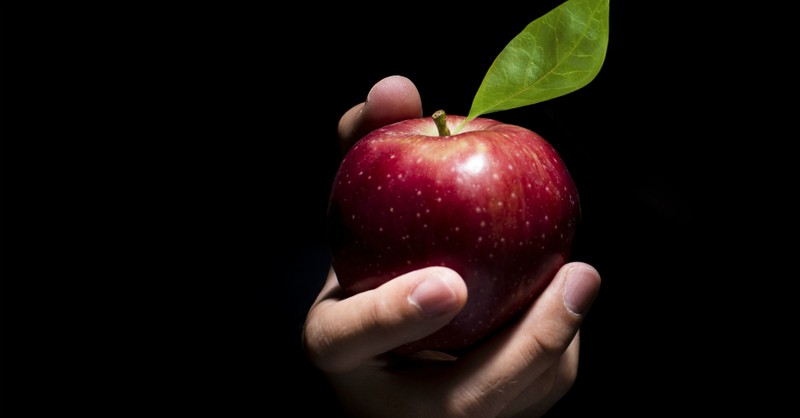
x=521 y=371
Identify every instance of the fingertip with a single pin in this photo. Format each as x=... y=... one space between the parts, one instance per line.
x=581 y=286
x=348 y=123
x=392 y=99
x=442 y=291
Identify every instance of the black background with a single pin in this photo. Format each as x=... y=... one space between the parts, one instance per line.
x=189 y=215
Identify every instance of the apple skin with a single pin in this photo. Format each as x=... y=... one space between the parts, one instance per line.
x=494 y=202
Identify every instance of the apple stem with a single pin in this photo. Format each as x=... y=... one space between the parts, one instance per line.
x=440 y=118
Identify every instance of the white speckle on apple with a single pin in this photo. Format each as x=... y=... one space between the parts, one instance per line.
x=419 y=192
x=483 y=223
x=380 y=187
x=391 y=210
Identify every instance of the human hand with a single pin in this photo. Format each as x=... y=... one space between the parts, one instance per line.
x=521 y=371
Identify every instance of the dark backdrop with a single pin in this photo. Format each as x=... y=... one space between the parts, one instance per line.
x=214 y=146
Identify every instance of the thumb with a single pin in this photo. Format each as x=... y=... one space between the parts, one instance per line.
x=340 y=335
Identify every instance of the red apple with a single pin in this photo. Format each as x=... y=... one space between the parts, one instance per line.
x=494 y=202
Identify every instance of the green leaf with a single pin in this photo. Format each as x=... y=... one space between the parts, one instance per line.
x=555 y=54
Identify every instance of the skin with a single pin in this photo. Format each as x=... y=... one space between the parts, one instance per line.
x=522 y=371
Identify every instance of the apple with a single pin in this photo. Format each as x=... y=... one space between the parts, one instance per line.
x=494 y=202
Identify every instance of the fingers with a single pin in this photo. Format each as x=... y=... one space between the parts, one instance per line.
x=342 y=334
x=392 y=99
x=498 y=371
x=549 y=387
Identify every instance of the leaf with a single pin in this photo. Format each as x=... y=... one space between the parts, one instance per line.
x=555 y=54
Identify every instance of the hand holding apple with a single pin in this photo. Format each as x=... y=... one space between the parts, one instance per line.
x=531 y=362
x=526 y=367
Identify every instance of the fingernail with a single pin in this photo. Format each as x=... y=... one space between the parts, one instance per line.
x=433 y=296
x=580 y=289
